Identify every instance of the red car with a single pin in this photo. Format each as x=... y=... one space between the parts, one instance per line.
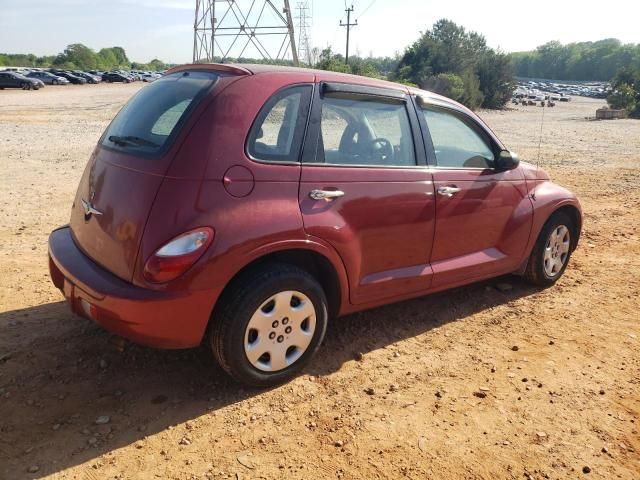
x=244 y=206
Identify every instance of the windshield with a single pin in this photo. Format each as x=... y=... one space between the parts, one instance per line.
x=147 y=124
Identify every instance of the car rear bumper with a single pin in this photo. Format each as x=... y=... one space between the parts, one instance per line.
x=159 y=319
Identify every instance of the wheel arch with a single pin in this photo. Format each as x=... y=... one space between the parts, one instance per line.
x=576 y=217
x=542 y=214
x=330 y=275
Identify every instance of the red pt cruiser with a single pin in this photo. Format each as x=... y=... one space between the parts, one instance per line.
x=246 y=205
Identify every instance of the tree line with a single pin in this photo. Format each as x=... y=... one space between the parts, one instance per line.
x=80 y=57
x=581 y=61
x=446 y=59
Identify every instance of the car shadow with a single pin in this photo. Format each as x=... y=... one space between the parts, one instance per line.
x=60 y=373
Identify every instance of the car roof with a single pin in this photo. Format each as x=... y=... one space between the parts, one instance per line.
x=324 y=75
x=258 y=68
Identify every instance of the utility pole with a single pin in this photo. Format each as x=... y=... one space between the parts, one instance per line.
x=348 y=25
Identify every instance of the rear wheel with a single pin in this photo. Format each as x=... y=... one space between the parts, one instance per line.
x=551 y=252
x=269 y=325
x=25 y=86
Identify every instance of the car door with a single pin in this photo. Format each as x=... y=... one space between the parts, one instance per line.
x=365 y=188
x=7 y=80
x=483 y=215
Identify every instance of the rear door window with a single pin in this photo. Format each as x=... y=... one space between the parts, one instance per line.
x=149 y=122
x=366 y=131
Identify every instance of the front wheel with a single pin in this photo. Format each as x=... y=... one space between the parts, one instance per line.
x=269 y=325
x=552 y=251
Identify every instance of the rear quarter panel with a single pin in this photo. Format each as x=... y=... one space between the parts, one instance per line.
x=193 y=194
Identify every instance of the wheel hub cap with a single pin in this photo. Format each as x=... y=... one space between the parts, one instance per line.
x=556 y=250
x=280 y=331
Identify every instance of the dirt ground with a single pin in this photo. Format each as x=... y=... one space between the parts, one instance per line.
x=476 y=383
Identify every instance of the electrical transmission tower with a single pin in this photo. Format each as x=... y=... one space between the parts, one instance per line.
x=236 y=28
x=304 y=25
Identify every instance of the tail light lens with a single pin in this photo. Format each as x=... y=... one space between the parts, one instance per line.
x=177 y=256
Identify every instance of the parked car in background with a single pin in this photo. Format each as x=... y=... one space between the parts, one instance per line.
x=115 y=77
x=47 y=78
x=150 y=77
x=76 y=80
x=244 y=206
x=87 y=76
x=12 y=79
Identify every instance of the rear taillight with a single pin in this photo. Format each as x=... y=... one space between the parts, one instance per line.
x=177 y=256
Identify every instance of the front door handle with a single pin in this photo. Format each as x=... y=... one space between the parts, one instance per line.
x=448 y=191
x=325 y=194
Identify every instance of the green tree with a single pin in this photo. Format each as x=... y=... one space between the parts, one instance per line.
x=626 y=91
x=80 y=56
x=581 y=61
x=495 y=77
x=333 y=62
x=448 y=54
x=624 y=97
x=447 y=84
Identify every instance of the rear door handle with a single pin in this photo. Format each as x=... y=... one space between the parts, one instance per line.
x=448 y=191
x=325 y=194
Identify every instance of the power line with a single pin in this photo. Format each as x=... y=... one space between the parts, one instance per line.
x=365 y=10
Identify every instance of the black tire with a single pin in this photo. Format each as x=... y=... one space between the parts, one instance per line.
x=25 y=86
x=54 y=82
x=235 y=309
x=535 y=272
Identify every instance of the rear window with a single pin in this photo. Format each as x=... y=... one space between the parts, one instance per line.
x=149 y=122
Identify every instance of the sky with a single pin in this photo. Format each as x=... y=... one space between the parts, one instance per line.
x=163 y=29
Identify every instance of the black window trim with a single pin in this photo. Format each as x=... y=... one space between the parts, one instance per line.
x=422 y=104
x=311 y=154
x=169 y=143
x=300 y=130
x=354 y=89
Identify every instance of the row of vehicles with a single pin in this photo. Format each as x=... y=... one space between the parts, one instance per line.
x=563 y=91
x=536 y=95
x=34 y=79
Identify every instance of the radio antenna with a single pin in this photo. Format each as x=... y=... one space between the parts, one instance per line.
x=540 y=139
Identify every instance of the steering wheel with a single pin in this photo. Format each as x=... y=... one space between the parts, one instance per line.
x=382 y=149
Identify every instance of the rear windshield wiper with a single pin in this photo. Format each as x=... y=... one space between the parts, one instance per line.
x=131 y=140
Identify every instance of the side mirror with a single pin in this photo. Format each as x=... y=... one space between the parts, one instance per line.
x=507 y=160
